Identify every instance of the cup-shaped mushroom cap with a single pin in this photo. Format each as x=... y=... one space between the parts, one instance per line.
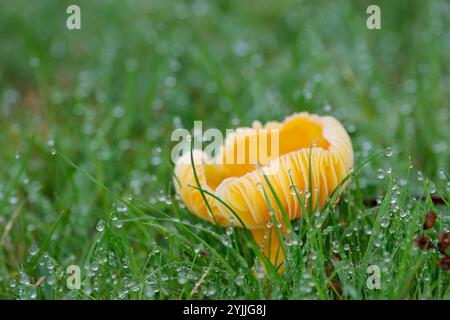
x=315 y=153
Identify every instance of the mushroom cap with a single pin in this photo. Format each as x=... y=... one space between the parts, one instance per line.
x=303 y=139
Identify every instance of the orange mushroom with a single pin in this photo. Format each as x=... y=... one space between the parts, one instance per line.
x=303 y=139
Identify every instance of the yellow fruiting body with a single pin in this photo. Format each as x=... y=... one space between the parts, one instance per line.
x=303 y=139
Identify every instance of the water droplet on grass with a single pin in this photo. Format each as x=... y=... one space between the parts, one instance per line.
x=404 y=213
x=307 y=194
x=291 y=242
x=291 y=172
x=384 y=222
x=117 y=223
x=327 y=108
x=51 y=280
x=34 y=249
x=388 y=170
x=379 y=199
x=419 y=175
x=388 y=152
x=411 y=164
x=239 y=281
x=182 y=278
x=211 y=291
x=94 y=266
x=295 y=190
x=198 y=248
x=225 y=240
x=432 y=188
x=100 y=225
x=380 y=174
x=149 y=292
x=122 y=208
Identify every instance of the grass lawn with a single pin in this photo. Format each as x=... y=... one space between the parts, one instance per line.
x=86 y=118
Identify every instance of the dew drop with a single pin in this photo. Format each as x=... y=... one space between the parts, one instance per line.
x=198 y=248
x=442 y=174
x=432 y=188
x=100 y=225
x=404 y=213
x=34 y=249
x=149 y=292
x=182 y=278
x=259 y=271
x=384 y=222
x=122 y=208
x=291 y=172
x=388 y=152
x=225 y=240
x=239 y=281
x=291 y=242
x=419 y=175
x=379 y=199
x=94 y=266
x=50 y=265
x=295 y=190
x=388 y=170
x=116 y=222
x=307 y=194
x=380 y=174
x=211 y=291
x=327 y=108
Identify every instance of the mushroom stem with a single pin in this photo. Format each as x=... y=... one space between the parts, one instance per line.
x=268 y=241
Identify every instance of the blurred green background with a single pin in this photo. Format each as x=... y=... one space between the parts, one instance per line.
x=109 y=95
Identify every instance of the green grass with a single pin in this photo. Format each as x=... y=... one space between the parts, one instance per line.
x=107 y=98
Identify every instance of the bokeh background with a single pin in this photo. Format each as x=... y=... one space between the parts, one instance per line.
x=108 y=96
